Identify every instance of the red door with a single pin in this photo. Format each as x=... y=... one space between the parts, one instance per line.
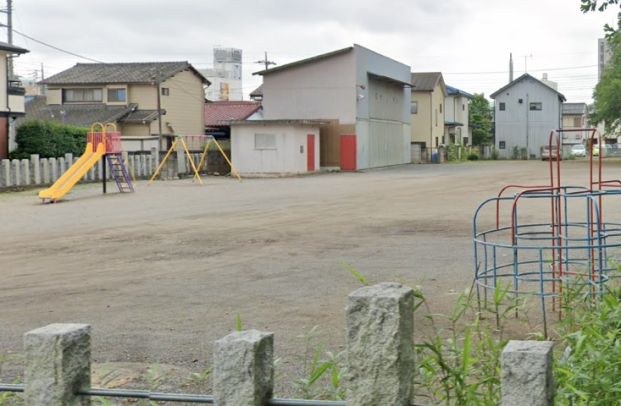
x=348 y=152
x=310 y=152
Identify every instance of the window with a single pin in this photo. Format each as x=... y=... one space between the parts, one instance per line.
x=436 y=111
x=82 y=95
x=440 y=107
x=501 y=106
x=463 y=107
x=536 y=106
x=264 y=141
x=577 y=121
x=501 y=145
x=414 y=108
x=165 y=91
x=117 y=95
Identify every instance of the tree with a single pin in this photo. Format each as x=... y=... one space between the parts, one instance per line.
x=588 y=6
x=480 y=119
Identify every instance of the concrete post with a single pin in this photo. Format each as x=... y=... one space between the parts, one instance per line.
x=45 y=171
x=69 y=160
x=61 y=166
x=380 y=347
x=15 y=172
x=181 y=160
x=244 y=369
x=527 y=374
x=25 y=169
x=53 y=170
x=36 y=169
x=6 y=173
x=58 y=364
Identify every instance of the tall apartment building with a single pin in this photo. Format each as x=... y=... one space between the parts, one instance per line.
x=225 y=76
x=604 y=53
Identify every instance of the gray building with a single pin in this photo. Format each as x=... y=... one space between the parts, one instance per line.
x=525 y=111
x=365 y=95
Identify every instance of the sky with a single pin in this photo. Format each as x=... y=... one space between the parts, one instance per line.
x=469 y=41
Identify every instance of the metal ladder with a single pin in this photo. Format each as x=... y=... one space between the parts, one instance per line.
x=119 y=173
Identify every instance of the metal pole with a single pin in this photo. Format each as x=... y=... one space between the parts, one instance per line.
x=159 y=110
x=103 y=173
x=9 y=28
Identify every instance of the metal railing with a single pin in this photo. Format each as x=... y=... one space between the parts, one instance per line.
x=175 y=397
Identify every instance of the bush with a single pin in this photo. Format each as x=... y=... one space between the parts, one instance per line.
x=473 y=157
x=48 y=139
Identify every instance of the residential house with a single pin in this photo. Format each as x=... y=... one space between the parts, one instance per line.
x=219 y=114
x=526 y=110
x=456 y=129
x=574 y=118
x=257 y=94
x=427 y=110
x=364 y=95
x=128 y=95
x=11 y=99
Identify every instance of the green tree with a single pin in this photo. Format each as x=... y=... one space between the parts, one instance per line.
x=607 y=94
x=480 y=119
x=588 y=6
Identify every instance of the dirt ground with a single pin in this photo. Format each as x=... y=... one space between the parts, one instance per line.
x=162 y=273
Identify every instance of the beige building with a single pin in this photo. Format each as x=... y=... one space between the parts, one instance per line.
x=11 y=100
x=126 y=94
x=428 y=94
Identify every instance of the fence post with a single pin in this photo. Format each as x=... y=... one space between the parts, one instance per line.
x=58 y=364
x=244 y=369
x=36 y=169
x=380 y=348
x=25 y=171
x=6 y=173
x=16 y=172
x=527 y=374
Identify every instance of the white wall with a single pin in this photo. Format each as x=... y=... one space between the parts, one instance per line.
x=383 y=113
x=288 y=157
x=324 y=89
x=518 y=125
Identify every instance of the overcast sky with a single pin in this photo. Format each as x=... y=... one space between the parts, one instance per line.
x=468 y=40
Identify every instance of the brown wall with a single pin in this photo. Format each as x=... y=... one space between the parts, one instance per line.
x=330 y=142
x=4 y=138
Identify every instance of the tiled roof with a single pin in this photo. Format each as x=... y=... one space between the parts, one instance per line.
x=258 y=92
x=521 y=78
x=80 y=115
x=453 y=91
x=104 y=73
x=140 y=116
x=425 y=81
x=220 y=113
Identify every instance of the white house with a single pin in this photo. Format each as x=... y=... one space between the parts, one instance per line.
x=275 y=147
x=525 y=111
x=11 y=100
x=364 y=95
x=456 y=129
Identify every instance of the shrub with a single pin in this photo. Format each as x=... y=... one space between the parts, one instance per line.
x=473 y=157
x=48 y=139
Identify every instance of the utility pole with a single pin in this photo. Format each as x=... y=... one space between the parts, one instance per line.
x=9 y=33
x=157 y=82
x=266 y=62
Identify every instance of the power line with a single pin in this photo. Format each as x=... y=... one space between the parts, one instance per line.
x=52 y=46
x=532 y=70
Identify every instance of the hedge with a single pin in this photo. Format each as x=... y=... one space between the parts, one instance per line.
x=48 y=139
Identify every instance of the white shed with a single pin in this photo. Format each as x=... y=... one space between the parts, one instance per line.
x=275 y=147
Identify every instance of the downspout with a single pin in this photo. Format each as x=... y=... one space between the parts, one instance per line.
x=431 y=120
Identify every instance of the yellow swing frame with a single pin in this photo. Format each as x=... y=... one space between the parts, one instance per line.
x=203 y=160
x=173 y=147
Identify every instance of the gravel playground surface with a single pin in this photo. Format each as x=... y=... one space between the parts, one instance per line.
x=162 y=273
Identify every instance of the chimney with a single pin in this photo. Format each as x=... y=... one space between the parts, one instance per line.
x=510 y=67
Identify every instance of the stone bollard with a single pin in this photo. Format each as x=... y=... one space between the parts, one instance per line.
x=58 y=364
x=25 y=172
x=53 y=169
x=527 y=374
x=6 y=173
x=15 y=172
x=380 y=347
x=45 y=171
x=36 y=169
x=244 y=369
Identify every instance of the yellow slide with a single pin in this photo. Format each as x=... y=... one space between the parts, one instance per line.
x=73 y=175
